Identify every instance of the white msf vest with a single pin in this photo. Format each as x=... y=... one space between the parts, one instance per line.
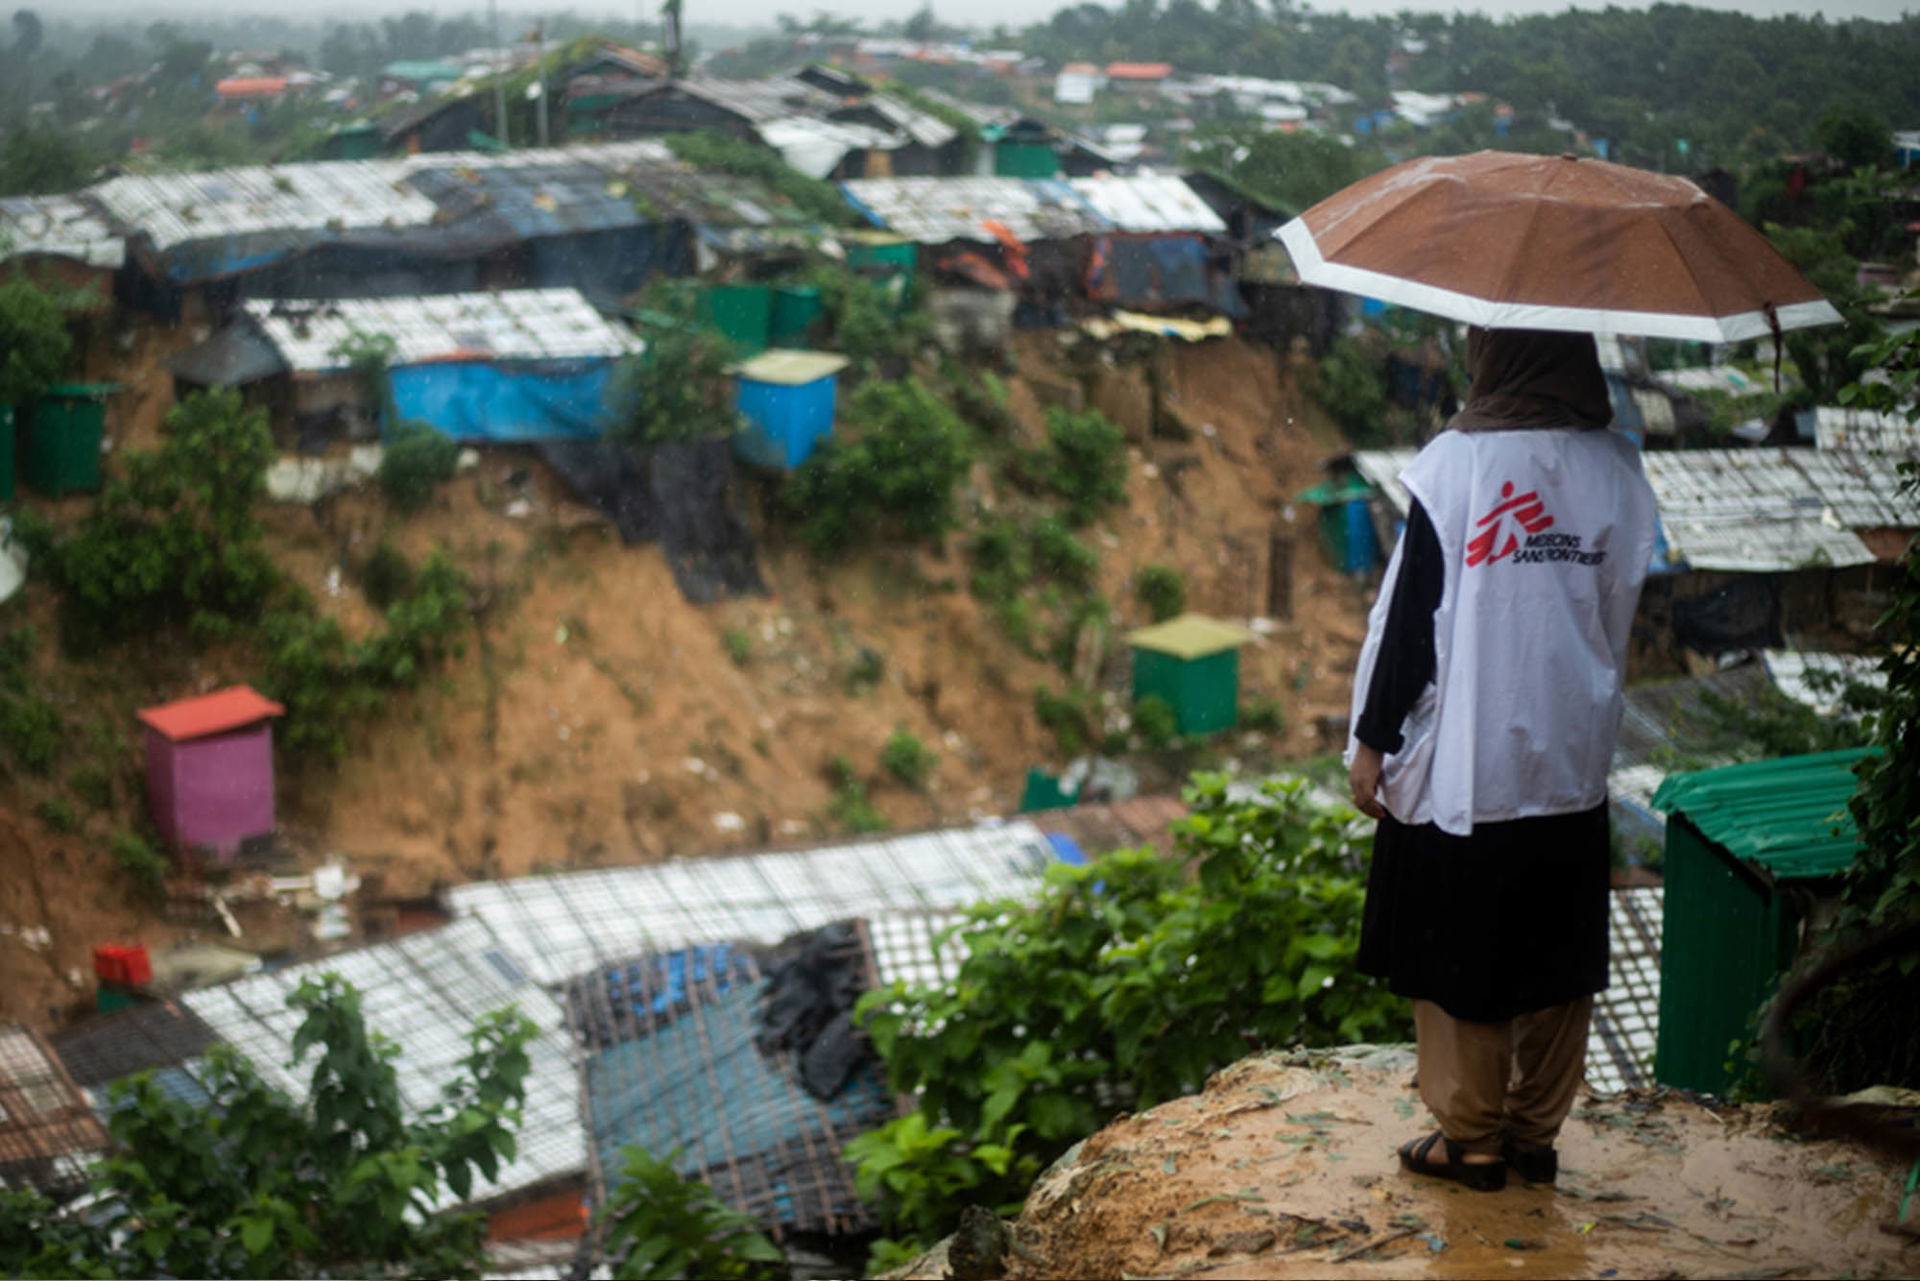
x=1546 y=537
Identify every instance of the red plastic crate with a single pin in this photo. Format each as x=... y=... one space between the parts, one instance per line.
x=126 y=965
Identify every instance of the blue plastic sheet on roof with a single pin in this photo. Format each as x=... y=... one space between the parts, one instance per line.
x=719 y=967
x=506 y=401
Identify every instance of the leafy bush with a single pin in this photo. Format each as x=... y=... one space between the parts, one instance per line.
x=175 y=536
x=33 y=340
x=1061 y=557
x=868 y=666
x=57 y=813
x=907 y=758
x=1352 y=388
x=387 y=575
x=140 y=861
x=738 y=644
x=93 y=785
x=1127 y=983
x=1264 y=716
x=715 y=152
x=31 y=732
x=919 y=1173
x=1155 y=721
x=1068 y=715
x=416 y=460
x=678 y=389
x=254 y=1183
x=850 y=807
x=1087 y=465
x=1162 y=590
x=893 y=478
x=661 y=1226
x=870 y=319
x=1002 y=560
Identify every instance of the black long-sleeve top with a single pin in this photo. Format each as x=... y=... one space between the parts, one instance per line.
x=1404 y=666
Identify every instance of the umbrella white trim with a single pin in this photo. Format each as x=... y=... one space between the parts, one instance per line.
x=1316 y=270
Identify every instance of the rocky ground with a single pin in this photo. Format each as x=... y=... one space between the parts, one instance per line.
x=1285 y=1167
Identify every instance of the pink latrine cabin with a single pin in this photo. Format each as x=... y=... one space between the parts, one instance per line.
x=210 y=769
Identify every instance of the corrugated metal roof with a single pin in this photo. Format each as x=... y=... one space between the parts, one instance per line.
x=520 y=324
x=1626 y=1017
x=1788 y=817
x=425 y=992
x=1768 y=510
x=1381 y=468
x=815 y=147
x=1148 y=203
x=1818 y=679
x=935 y=210
x=1866 y=431
x=49 y=1136
x=757 y=100
x=560 y=926
x=64 y=226
x=926 y=129
x=339 y=195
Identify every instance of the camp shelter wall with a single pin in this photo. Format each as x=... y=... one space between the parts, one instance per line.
x=484 y=400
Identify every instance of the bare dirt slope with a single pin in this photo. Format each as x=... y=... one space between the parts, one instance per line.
x=598 y=717
x=1285 y=1167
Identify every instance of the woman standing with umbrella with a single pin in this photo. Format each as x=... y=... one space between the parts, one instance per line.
x=1490 y=686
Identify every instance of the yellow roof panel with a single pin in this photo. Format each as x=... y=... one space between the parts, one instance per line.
x=1190 y=636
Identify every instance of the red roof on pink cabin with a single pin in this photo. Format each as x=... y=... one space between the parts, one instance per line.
x=213 y=713
x=1139 y=70
x=251 y=87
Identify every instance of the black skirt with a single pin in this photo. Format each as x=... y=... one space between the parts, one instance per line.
x=1508 y=920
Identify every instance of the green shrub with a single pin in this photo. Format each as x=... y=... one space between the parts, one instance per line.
x=850 y=807
x=1002 y=560
x=1352 y=388
x=31 y=732
x=387 y=575
x=1162 y=590
x=1068 y=716
x=33 y=340
x=1088 y=463
x=868 y=666
x=870 y=320
x=416 y=460
x=1059 y=556
x=893 y=477
x=907 y=759
x=1264 y=716
x=739 y=645
x=678 y=389
x=1154 y=720
x=663 y=1226
x=1128 y=981
x=57 y=813
x=140 y=861
x=93 y=785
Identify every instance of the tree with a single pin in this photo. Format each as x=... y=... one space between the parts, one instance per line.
x=1855 y=135
x=254 y=1183
x=33 y=337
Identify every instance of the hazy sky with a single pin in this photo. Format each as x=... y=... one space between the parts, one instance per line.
x=1012 y=12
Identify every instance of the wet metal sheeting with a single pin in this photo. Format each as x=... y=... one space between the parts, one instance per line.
x=425 y=992
x=560 y=926
x=520 y=324
x=1626 y=1015
x=933 y=211
x=60 y=227
x=1866 y=431
x=1818 y=678
x=49 y=1137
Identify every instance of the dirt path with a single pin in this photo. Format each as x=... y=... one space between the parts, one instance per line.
x=1284 y=1167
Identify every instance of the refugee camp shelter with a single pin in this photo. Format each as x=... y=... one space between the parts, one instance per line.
x=210 y=768
x=517 y=365
x=786 y=399
x=1748 y=848
x=1193 y=662
x=49 y=1136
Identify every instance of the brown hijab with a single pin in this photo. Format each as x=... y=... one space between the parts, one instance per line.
x=1533 y=378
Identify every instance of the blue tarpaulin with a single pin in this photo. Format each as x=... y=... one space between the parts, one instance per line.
x=506 y=401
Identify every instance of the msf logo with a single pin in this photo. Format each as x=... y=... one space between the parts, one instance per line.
x=1525 y=510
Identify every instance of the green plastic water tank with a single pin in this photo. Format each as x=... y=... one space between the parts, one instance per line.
x=796 y=308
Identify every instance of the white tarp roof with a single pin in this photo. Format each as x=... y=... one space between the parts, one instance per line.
x=560 y=926
x=933 y=211
x=1767 y=510
x=519 y=324
x=1148 y=203
x=1818 y=679
x=815 y=146
x=1865 y=431
x=425 y=991
x=175 y=208
x=63 y=226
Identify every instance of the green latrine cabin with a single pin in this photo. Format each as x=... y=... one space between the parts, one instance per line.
x=63 y=444
x=1194 y=663
x=1748 y=848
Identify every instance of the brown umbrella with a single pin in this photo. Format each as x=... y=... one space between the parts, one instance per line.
x=1509 y=241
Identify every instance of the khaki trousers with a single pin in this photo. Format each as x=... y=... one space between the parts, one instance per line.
x=1516 y=1078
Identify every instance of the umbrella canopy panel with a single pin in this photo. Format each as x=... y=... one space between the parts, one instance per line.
x=1510 y=241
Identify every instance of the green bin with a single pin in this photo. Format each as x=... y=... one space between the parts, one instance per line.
x=63 y=445
x=796 y=308
x=1345 y=524
x=1749 y=847
x=879 y=252
x=1025 y=160
x=6 y=453
x=742 y=313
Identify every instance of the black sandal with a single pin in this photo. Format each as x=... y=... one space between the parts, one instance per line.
x=1533 y=1165
x=1416 y=1154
